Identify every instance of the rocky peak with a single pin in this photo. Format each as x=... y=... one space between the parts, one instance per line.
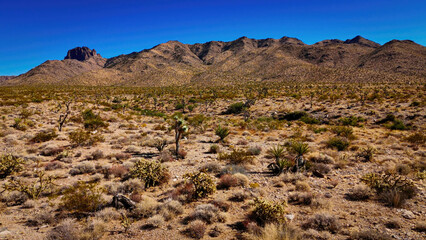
x=362 y=41
x=81 y=53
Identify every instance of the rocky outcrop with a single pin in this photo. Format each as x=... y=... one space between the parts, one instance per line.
x=81 y=53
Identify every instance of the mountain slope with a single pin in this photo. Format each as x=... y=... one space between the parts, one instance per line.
x=238 y=61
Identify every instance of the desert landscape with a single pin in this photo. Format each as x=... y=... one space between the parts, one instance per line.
x=248 y=139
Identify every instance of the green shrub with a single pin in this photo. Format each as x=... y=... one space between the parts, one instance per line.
x=203 y=184
x=416 y=138
x=80 y=137
x=235 y=108
x=366 y=154
x=10 y=164
x=44 y=136
x=237 y=156
x=351 y=121
x=83 y=198
x=152 y=173
x=343 y=131
x=222 y=132
x=295 y=115
x=339 y=143
x=308 y=119
x=268 y=212
x=397 y=125
x=92 y=121
x=22 y=124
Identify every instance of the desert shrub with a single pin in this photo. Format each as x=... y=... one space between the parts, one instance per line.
x=366 y=154
x=53 y=165
x=80 y=137
x=152 y=173
x=402 y=169
x=351 y=121
x=322 y=222
x=196 y=230
x=255 y=150
x=296 y=115
x=302 y=186
x=10 y=164
x=66 y=230
x=392 y=189
x=202 y=182
x=242 y=180
x=416 y=138
x=44 y=136
x=82 y=198
x=227 y=181
x=359 y=193
x=108 y=214
x=222 y=132
x=239 y=196
x=22 y=124
x=147 y=207
x=170 y=209
x=118 y=171
x=320 y=168
x=43 y=217
x=235 y=108
x=160 y=144
x=97 y=154
x=165 y=156
x=214 y=149
x=94 y=230
x=237 y=156
x=268 y=212
x=82 y=168
x=92 y=121
x=300 y=198
x=370 y=235
x=211 y=167
x=343 y=131
x=14 y=198
x=338 y=143
x=233 y=169
x=321 y=158
x=280 y=232
x=207 y=213
x=397 y=125
x=155 y=221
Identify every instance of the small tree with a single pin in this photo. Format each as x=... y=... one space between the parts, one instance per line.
x=180 y=128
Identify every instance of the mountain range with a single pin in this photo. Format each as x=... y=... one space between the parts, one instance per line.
x=239 y=61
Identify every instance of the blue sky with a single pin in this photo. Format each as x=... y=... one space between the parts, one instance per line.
x=34 y=31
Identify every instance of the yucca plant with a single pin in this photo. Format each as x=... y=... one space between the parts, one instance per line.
x=276 y=151
x=300 y=148
x=222 y=132
x=280 y=164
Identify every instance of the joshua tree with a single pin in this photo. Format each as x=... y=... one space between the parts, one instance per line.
x=63 y=116
x=180 y=128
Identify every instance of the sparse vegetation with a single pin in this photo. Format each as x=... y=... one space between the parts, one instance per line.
x=151 y=172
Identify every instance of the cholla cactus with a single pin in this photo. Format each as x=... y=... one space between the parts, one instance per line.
x=180 y=128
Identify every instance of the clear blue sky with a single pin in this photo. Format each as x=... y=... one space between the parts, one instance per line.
x=33 y=31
